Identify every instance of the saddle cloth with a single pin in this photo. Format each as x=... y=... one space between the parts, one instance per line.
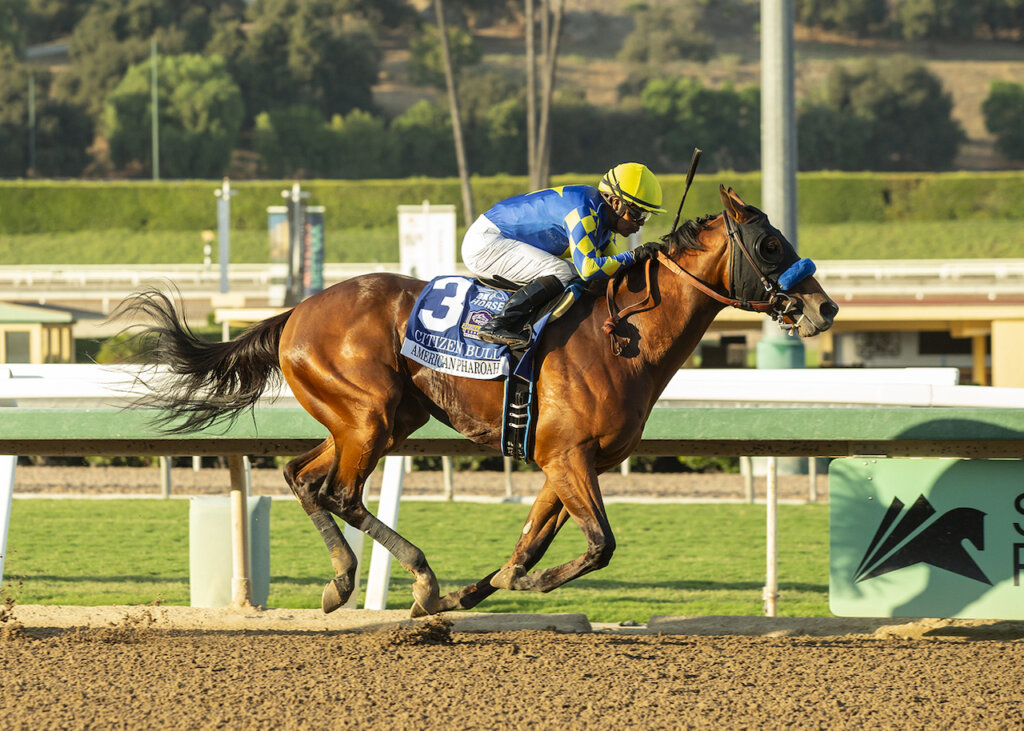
x=442 y=329
x=441 y=334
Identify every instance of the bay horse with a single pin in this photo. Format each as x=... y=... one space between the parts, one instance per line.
x=599 y=374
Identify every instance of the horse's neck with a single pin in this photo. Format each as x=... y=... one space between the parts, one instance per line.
x=671 y=331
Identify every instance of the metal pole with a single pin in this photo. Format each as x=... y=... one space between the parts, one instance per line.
x=778 y=119
x=449 y=485
x=8 y=464
x=31 y=122
x=812 y=472
x=241 y=579
x=747 y=470
x=507 y=466
x=224 y=194
x=771 y=581
x=155 y=111
x=387 y=512
x=165 y=477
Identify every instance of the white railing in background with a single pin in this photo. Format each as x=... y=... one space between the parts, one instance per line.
x=897 y=277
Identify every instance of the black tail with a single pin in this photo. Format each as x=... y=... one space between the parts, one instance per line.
x=207 y=381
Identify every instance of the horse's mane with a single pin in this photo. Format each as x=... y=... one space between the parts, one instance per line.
x=682 y=239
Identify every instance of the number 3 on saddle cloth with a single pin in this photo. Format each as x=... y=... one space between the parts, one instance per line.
x=441 y=334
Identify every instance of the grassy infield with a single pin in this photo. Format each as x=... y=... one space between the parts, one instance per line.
x=670 y=560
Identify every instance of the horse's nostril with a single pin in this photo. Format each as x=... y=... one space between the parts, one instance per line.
x=829 y=310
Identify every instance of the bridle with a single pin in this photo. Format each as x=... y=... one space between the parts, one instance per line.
x=778 y=304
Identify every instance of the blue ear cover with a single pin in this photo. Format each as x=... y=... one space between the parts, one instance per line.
x=796 y=273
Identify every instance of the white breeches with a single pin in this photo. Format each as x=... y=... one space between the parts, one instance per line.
x=487 y=253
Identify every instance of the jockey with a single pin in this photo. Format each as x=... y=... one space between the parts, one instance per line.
x=542 y=240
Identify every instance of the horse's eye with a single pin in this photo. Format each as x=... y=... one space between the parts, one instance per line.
x=770 y=250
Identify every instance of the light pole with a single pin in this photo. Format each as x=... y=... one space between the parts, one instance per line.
x=778 y=159
x=224 y=194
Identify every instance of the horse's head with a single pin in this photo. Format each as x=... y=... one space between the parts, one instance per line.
x=753 y=263
x=765 y=271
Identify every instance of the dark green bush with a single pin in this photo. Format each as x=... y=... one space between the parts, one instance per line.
x=1004 y=117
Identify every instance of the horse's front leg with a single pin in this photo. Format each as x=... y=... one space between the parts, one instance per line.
x=305 y=475
x=546 y=517
x=574 y=481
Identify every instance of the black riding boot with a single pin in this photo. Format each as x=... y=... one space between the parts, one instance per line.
x=509 y=328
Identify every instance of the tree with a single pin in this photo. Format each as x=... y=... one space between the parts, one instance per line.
x=423 y=135
x=453 y=109
x=426 y=67
x=48 y=20
x=909 y=114
x=830 y=139
x=200 y=116
x=114 y=34
x=1004 y=117
x=937 y=19
x=12 y=26
x=487 y=103
x=62 y=131
x=292 y=141
x=666 y=33
x=855 y=17
x=1002 y=18
x=300 y=52
x=362 y=147
x=538 y=127
x=724 y=122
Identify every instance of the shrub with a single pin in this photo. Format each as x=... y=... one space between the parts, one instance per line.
x=1004 y=117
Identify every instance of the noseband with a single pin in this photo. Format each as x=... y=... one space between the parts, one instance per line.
x=778 y=305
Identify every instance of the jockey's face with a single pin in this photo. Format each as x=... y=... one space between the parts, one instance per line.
x=624 y=222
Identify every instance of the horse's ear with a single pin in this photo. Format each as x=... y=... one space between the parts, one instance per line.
x=734 y=205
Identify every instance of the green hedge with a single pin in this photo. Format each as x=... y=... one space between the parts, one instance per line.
x=29 y=207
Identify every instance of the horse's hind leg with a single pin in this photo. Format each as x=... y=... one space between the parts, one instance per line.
x=546 y=517
x=305 y=476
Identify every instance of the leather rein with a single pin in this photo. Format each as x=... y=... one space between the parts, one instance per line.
x=777 y=305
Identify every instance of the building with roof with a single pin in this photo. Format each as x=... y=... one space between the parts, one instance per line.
x=35 y=334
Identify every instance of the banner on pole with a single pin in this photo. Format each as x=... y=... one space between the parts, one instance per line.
x=313 y=251
x=426 y=240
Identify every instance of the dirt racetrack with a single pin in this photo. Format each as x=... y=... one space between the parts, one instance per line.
x=151 y=668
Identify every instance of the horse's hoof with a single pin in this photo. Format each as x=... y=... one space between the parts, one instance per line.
x=336 y=593
x=426 y=596
x=447 y=603
x=508 y=577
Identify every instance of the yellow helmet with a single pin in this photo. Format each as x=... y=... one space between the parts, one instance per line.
x=635 y=184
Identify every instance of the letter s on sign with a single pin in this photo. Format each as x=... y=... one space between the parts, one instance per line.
x=1019 y=504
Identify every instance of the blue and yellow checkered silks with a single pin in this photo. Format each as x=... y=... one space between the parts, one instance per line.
x=590 y=260
x=569 y=222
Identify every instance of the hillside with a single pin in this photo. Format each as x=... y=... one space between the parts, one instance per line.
x=594 y=31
